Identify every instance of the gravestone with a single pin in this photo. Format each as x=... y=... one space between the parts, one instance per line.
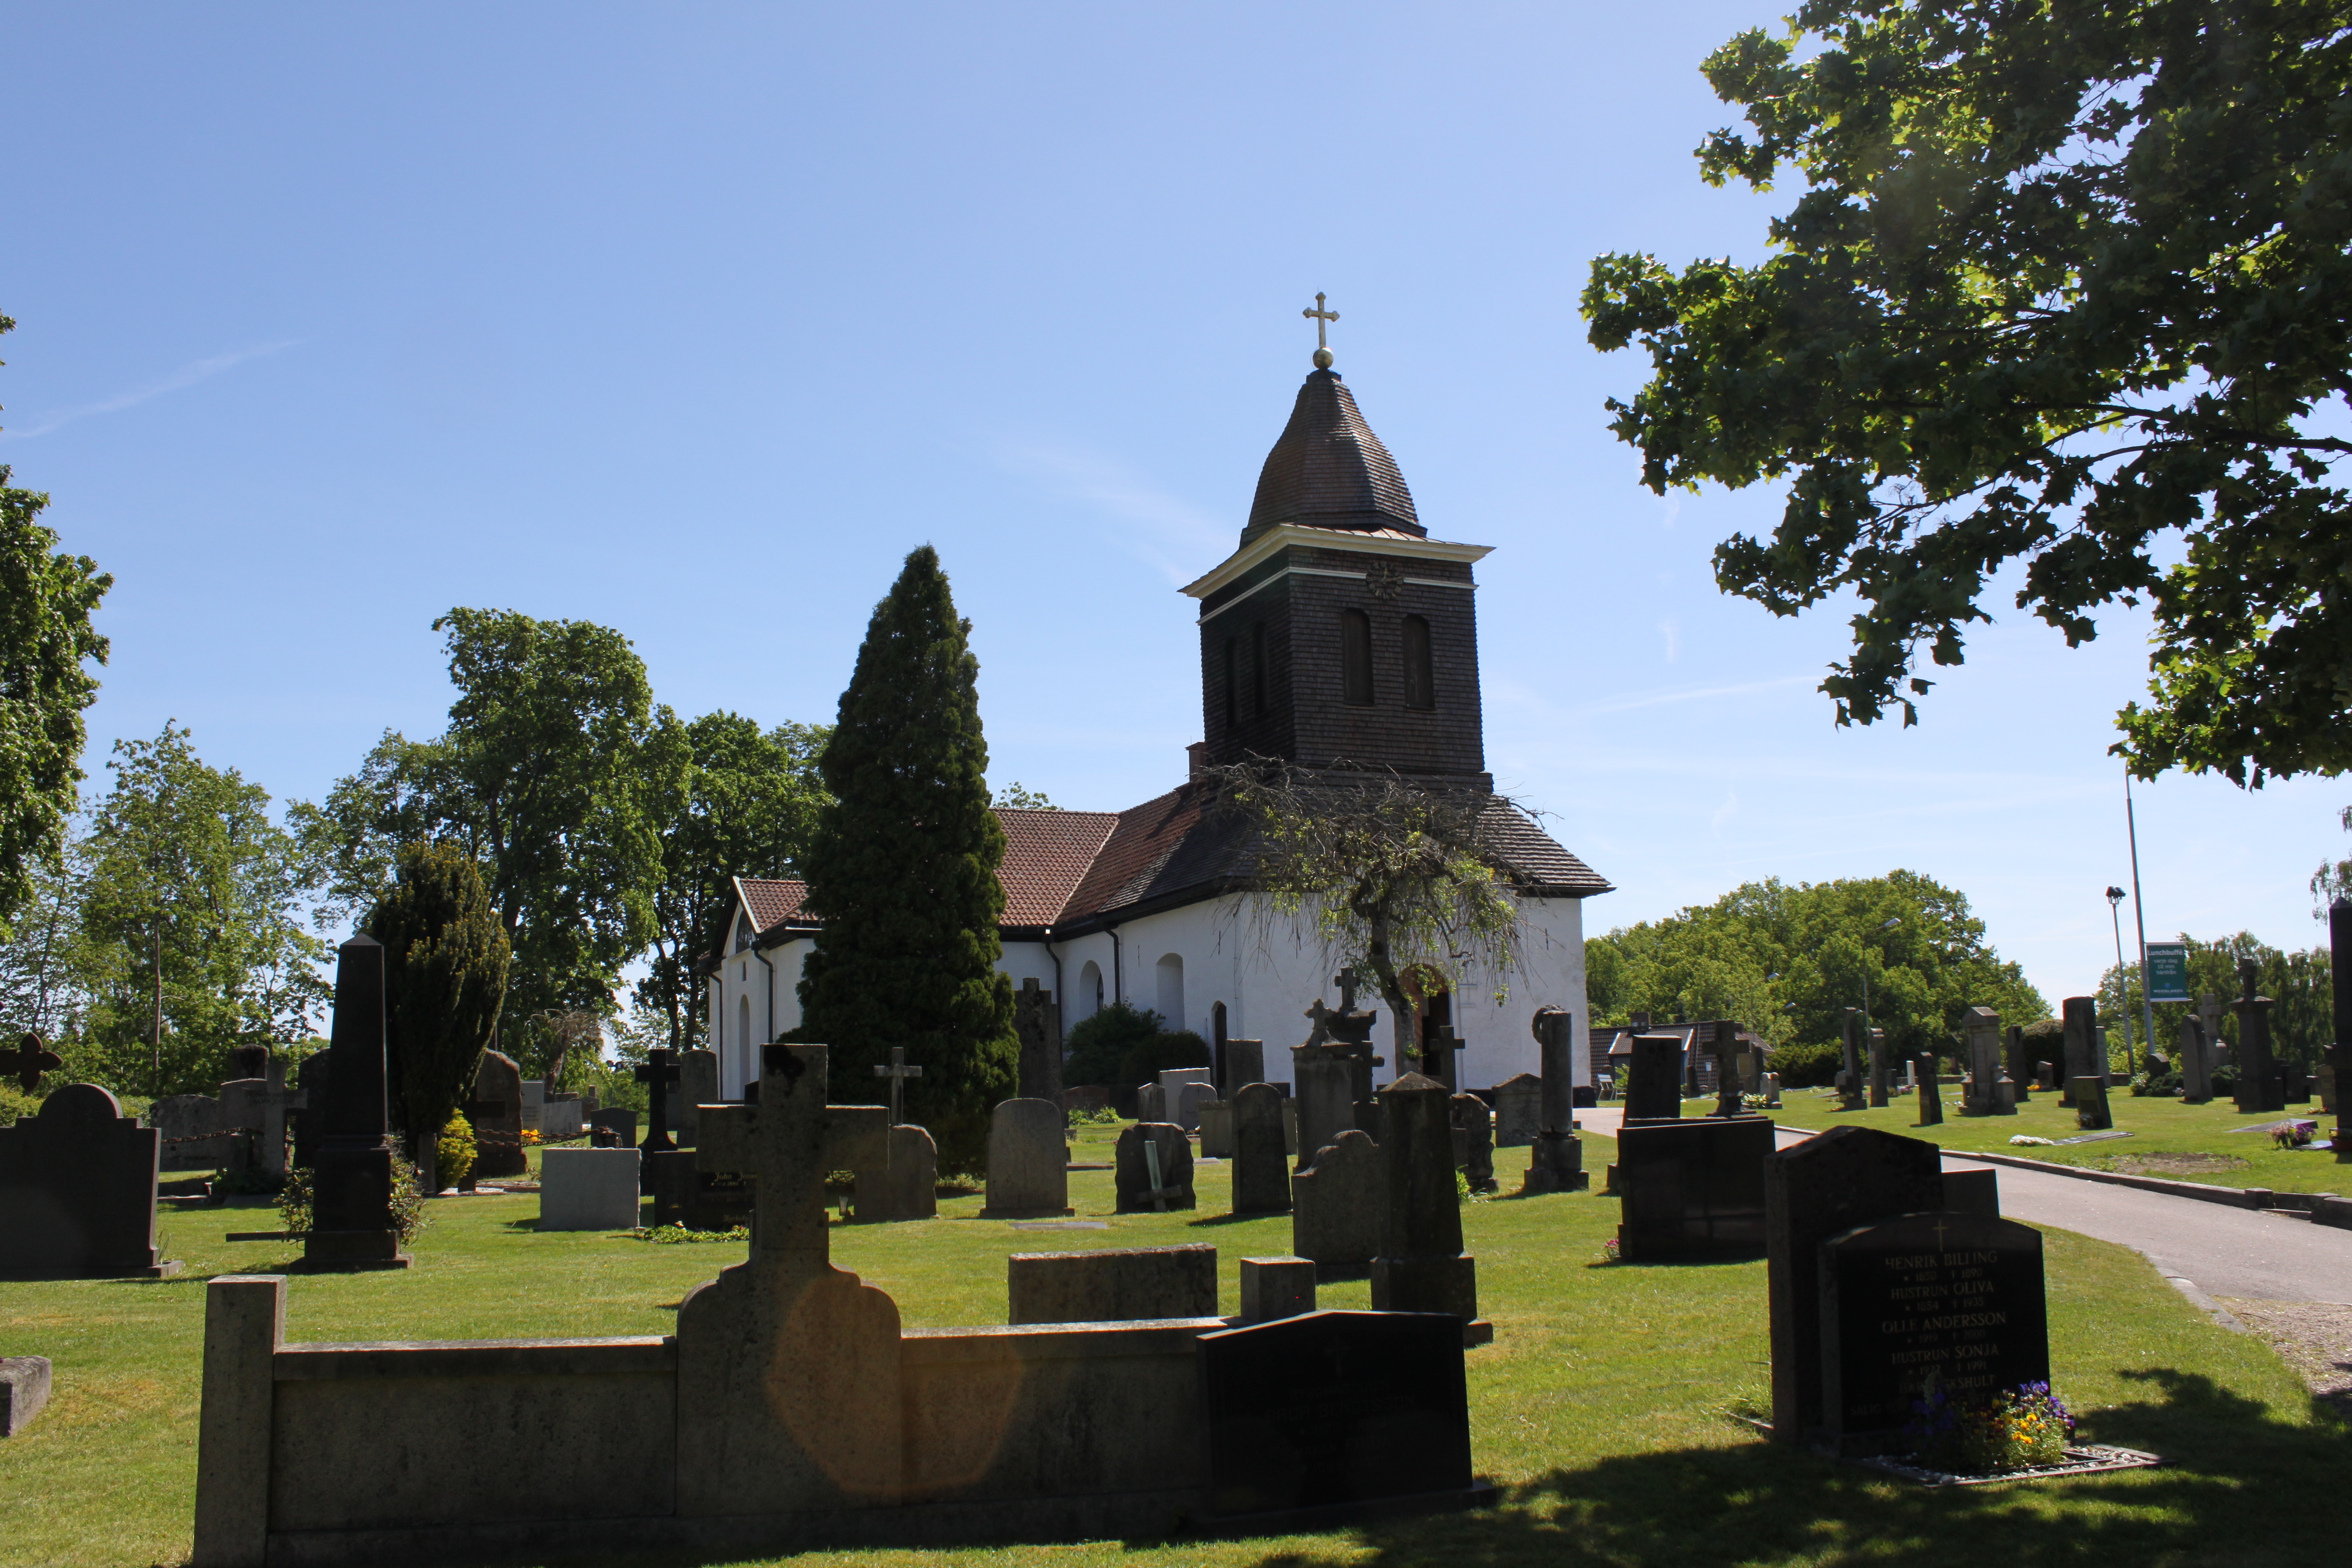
x=1931 y=1096
x=1028 y=1160
x=1442 y=1050
x=910 y=1186
x=2045 y=1075
x=2020 y=1071
x=1654 y=1079
x=1152 y=1168
x=619 y=1123
x=561 y=1118
x=1420 y=1266
x=697 y=1085
x=78 y=1192
x=896 y=1071
x=1329 y=1409
x=2260 y=1089
x=588 y=1189
x=1953 y=1295
x=1111 y=1285
x=351 y=1206
x=1185 y=1099
x=2338 y=1054
x=1245 y=1064
x=1557 y=1049
x=1037 y=1023
x=1771 y=1081
x=1276 y=1288
x=1323 y=1087
x=2085 y=1048
x=1518 y=1110
x=1216 y=1129
x=1150 y=1103
x=1990 y=1091
x=310 y=1116
x=262 y=1103
x=780 y=1359
x=1820 y=1188
x=1973 y=1192
x=534 y=1101
x=29 y=1061
x=1289 y=1124
x=1472 y=1140
x=2089 y=1098
x=1337 y=1214
x=1692 y=1189
x=1261 y=1169
x=24 y=1389
x=496 y=1113
x=695 y=1199
x=195 y=1131
x=1723 y=1045
x=2217 y=1044
x=1849 y=1077
x=659 y=1072
x=1879 y=1097
x=1087 y=1099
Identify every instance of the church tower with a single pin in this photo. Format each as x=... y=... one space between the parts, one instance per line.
x=1340 y=633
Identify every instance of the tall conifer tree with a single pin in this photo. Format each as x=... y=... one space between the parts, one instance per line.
x=902 y=870
x=446 y=959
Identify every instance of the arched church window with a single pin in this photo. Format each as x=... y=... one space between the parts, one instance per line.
x=1171 y=974
x=1419 y=675
x=1355 y=658
x=1090 y=990
x=1257 y=670
x=743 y=1026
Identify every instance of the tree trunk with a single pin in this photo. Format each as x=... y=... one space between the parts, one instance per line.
x=427 y=1160
x=155 y=1031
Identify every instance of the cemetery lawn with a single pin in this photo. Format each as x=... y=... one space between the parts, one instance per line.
x=2169 y=1139
x=1608 y=1407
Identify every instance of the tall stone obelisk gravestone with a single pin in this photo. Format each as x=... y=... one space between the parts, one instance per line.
x=350 y=1203
x=2339 y=1055
x=1037 y=1022
x=2259 y=1089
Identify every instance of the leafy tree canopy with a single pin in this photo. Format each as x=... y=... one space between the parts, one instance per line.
x=902 y=870
x=2067 y=288
x=1786 y=961
x=2303 y=1012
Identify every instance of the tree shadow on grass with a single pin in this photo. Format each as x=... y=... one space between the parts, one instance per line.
x=2237 y=1485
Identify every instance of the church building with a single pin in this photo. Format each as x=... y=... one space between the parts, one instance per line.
x=1338 y=633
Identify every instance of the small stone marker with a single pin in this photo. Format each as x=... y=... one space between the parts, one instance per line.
x=1150 y=1102
x=1518 y=1110
x=897 y=1070
x=1338 y=1216
x=1111 y=1285
x=1028 y=1160
x=1654 y=1089
x=658 y=1073
x=1261 y=1169
x=351 y=1224
x=1216 y=1129
x=1276 y=1288
x=1820 y=1188
x=25 y=1386
x=1931 y=1096
x=1333 y=1408
x=2089 y=1098
x=25 y=1064
x=618 y=1123
x=2045 y=1075
x=496 y=1113
x=1153 y=1168
x=78 y=1192
x=1473 y=1141
x=1037 y=1024
x=1420 y=1267
x=1955 y=1295
x=588 y=1189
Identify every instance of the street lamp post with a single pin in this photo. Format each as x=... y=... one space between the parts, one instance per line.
x=1884 y=925
x=2123 y=979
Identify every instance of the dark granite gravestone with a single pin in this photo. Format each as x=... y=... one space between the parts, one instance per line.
x=1931 y=1095
x=1692 y=1189
x=311 y=1117
x=1823 y=1187
x=2339 y=1053
x=496 y=1114
x=2085 y=1050
x=1327 y=1409
x=2021 y=1067
x=351 y=1206
x=695 y=1199
x=618 y=1123
x=1973 y=1192
x=1518 y=1110
x=697 y=1085
x=1261 y=1170
x=1954 y=1297
x=1153 y=1168
x=1037 y=1024
x=2089 y=1098
x=78 y=1192
x=1324 y=1086
x=1654 y=1079
x=1420 y=1267
x=1245 y=1064
x=659 y=1072
x=1881 y=1070
x=1474 y=1142
x=1556 y=1056
x=2259 y=1088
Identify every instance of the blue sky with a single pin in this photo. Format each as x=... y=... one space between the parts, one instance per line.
x=692 y=321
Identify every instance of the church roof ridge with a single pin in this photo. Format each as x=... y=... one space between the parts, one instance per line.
x=1327 y=469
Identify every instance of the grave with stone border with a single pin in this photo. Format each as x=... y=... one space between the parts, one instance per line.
x=24 y=1389
x=1112 y=1284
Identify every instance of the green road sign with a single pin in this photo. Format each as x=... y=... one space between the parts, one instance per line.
x=2168 y=972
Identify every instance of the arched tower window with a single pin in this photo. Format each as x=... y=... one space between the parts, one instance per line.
x=1090 y=991
x=1356 y=658
x=1419 y=675
x=1171 y=974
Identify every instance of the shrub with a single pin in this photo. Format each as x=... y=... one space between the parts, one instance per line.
x=2045 y=1041
x=454 y=1155
x=1806 y=1067
x=407 y=1204
x=1124 y=1044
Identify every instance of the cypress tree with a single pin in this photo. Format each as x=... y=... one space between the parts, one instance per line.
x=902 y=871
x=445 y=962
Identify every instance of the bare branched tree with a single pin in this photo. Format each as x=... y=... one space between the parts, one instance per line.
x=1398 y=876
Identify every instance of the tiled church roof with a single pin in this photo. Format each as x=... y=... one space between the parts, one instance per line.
x=1046 y=858
x=1328 y=470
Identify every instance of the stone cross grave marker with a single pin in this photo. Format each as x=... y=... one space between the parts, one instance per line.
x=1037 y=1024
x=1320 y=1016
x=1727 y=1068
x=786 y=1143
x=2217 y=1048
x=1441 y=1053
x=899 y=1071
x=29 y=1061
x=657 y=1074
x=2260 y=1088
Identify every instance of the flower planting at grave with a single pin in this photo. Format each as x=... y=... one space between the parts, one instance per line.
x=2017 y=1429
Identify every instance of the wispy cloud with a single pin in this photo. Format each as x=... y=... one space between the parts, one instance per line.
x=1172 y=534
x=187 y=375
x=1688 y=694
x=1673 y=631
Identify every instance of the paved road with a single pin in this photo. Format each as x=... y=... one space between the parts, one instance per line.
x=2223 y=1251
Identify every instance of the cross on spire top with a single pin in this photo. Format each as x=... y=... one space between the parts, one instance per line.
x=1320 y=318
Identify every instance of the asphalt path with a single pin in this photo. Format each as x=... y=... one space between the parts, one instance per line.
x=2221 y=1250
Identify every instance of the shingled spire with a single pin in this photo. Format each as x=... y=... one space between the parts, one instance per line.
x=1328 y=470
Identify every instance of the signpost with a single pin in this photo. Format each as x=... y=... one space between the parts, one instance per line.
x=2168 y=972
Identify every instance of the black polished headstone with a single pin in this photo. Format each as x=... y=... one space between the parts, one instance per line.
x=619 y=1122
x=1332 y=1408
x=496 y=1115
x=77 y=1191
x=696 y=1200
x=1693 y=1188
x=1654 y=1079
x=351 y=1206
x=1954 y=1297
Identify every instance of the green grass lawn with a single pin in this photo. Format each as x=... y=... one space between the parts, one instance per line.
x=2187 y=1142
x=1607 y=1405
